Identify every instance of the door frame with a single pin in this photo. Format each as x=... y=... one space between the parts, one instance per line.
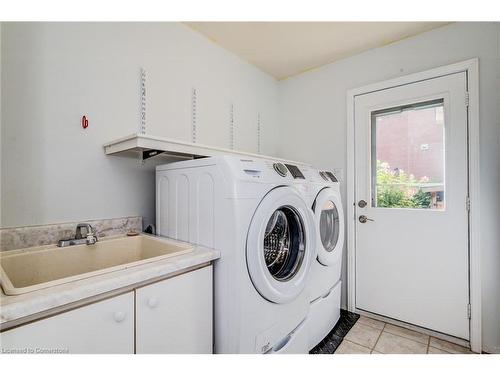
x=471 y=68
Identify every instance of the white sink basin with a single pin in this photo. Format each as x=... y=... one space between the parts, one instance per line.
x=27 y=270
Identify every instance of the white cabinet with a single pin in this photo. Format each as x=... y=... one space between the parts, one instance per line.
x=175 y=315
x=102 y=327
x=170 y=316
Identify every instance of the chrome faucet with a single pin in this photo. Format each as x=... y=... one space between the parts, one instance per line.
x=89 y=239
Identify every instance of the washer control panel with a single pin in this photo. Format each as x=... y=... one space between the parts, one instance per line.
x=295 y=171
x=272 y=170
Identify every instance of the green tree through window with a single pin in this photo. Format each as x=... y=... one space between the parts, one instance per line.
x=396 y=188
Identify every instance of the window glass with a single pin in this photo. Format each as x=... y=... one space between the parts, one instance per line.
x=408 y=149
x=284 y=243
x=329 y=226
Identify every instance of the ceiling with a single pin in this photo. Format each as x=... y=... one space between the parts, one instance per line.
x=284 y=49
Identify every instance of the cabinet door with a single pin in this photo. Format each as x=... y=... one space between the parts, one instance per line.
x=175 y=315
x=102 y=327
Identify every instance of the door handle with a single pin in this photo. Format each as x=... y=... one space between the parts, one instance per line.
x=119 y=316
x=363 y=219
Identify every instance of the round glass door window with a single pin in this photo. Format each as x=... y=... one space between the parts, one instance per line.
x=329 y=226
x=284 y=243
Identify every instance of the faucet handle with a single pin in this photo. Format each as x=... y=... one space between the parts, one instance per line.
x=88 y=229
x=91 y=238
x=90 y=233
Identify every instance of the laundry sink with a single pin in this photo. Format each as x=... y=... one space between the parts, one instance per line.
x=27 y=270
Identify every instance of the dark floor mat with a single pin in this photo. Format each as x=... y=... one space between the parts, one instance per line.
x=332 y=341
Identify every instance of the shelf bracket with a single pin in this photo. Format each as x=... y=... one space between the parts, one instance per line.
x=231 y=127
x=142 y=125
x=258 y=133
x=194 y=107
x=146 y=154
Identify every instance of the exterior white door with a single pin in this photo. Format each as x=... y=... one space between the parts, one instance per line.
x=411 y=191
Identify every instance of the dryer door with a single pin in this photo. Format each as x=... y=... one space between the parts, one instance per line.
x=330 y=226
x=281 y=245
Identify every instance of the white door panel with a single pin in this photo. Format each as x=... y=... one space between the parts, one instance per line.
x=412 y=263
x=104 y=327
x=175 y=315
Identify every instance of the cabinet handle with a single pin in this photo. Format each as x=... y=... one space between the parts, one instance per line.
x=152 y=302
x=119 y=316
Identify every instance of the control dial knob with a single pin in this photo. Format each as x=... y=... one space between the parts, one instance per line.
x=280 y=169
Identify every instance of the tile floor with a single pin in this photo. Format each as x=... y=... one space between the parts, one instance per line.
x=376 y=337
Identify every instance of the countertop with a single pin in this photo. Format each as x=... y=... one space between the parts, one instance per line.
x=24 y=308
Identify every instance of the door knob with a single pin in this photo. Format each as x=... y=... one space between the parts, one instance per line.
x=152 y=302
x=363 y=219
x=119 y=316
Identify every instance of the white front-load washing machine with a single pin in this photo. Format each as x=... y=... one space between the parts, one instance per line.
x=324 y=285
x=253 y=211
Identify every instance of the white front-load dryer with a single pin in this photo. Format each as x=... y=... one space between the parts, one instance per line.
x=324 y=286
x=253 y=211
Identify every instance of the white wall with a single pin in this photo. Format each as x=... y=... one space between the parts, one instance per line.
x=313 y=124
x=53 y=73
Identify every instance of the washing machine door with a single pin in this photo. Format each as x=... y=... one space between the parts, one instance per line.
x=329 y=219
x=281 y=245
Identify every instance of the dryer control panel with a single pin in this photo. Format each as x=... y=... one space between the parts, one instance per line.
x=328 y=176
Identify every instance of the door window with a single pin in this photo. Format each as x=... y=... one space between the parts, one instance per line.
x=284 y=243
x=329 y=226
x=408 y=156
